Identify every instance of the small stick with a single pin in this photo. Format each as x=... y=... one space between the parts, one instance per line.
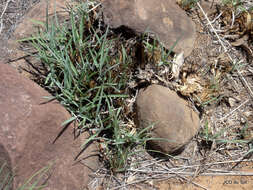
x=93 y=8
x=230 y=113
x=233 y=19
x=213 y=29
x=216 y=18
x=1 y=17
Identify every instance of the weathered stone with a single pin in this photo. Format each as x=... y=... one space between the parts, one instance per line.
x=173 y=120
x=28 y=26
x=162 y=17
x=28 y=128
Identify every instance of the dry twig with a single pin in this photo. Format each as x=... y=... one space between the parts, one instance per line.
x=1 y=17
x=230 y=113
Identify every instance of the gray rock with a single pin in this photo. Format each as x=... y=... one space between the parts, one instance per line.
x=28 y=129
x=174 y=121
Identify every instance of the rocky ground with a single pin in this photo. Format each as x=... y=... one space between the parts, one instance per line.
x=11 y=14
x=216 y=78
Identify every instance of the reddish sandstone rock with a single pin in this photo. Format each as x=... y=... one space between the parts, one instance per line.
x=27 y=131
x=29 y=26
x=162 y=17
x=173 y=120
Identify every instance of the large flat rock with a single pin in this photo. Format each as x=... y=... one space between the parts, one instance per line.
x=28 y=128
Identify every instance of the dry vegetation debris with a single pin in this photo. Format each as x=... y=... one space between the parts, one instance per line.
x=217 y=79
x=11 y=11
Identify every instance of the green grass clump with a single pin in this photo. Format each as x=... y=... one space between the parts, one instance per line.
x=87 y=71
